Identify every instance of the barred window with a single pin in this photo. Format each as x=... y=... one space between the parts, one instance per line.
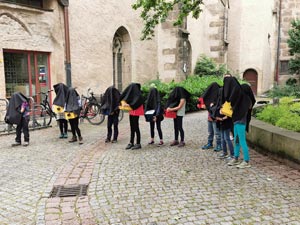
x=284 y=67
x=32 y=3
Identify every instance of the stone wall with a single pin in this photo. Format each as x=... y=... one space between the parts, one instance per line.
x=207 y=33
x=252 y=37
x=289 y=11
x=93 y=26
x=251 y=40
x=273 y=140
x=24 y=28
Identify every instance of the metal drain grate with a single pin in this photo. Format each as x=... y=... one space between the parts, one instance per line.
x=69 y=191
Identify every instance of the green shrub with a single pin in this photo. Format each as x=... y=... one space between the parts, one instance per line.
x=271 y=114
x=194 y=84
x=282 y=91
x=206 y=66
x=285 y=115
x=289 y=121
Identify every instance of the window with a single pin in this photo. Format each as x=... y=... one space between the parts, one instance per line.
x=284 y=67
x=32 y=3
x=27 y=72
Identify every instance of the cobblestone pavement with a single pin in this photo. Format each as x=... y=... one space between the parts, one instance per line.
x=151 y=186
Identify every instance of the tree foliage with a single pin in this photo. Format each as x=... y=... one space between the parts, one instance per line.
x=294 y=45
x=156 y=11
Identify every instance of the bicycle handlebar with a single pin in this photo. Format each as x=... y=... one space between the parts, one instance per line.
x=44 y=93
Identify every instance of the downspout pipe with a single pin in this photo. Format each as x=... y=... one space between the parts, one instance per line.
x=278 y=43
x=65 y=5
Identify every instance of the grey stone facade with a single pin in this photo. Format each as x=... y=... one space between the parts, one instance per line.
x=228 y=33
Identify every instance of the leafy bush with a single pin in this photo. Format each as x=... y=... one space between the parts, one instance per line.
x=271 y=114
x=282 y=91
x=289 y=121
x=194 y=84
x=206 y=66
x=285 y=115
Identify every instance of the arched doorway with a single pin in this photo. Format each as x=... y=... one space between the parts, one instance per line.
x=250 y=75
x=121 y=58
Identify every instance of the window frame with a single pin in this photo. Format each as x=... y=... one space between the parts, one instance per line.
x=28 y=4
x=33 y=67
x=284 y=67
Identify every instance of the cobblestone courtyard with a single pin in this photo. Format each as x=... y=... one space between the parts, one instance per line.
x=151 y=186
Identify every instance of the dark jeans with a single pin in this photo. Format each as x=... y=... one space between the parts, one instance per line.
x=23 y=126
x=158 y=127
x=213 y=130
x=63 y=126
x=112 y=120
x=134 y=129
x=178 y=128
x=74 y=126
x=225 y=137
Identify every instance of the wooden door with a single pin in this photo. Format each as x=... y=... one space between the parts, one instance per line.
x=250 y=76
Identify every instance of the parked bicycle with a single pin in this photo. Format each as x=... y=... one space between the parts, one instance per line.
x=43 y=114
x=91 y=109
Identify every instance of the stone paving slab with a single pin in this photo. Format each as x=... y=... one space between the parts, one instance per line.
x=151 y=186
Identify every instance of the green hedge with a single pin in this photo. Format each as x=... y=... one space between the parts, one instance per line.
x=285 y=115
x=196 y=85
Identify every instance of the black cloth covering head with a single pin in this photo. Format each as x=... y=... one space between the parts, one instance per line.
x=211 y=94
x=153 y=102
x=175 y=96
x=233 y=93
x=248 y=91
x=13 y=114
x=111 y=100
x=132 y=95
x=61 y=94
x=72 y=101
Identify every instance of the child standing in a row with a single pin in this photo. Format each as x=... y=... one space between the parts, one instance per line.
x=242 y=100
x=18 y=113
x=72 y=109
x=110 y=107
x=210 y=98
x=153 y=102
x=177 y=103
x=132 y=96
x=58 y=107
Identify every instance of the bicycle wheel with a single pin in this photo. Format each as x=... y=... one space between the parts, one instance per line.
x=94 y=115
x=41 y=116
x=121 y=115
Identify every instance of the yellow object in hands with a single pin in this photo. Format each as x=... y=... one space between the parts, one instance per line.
x=70 y=115
x=57 y=109
x=124 y=106
x=226 y=109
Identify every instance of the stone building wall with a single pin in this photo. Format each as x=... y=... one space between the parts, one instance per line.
x=170 y=55
x=24 y=28
x=92 y=30
x=207 y=33
x=252 y=40
x=290 y=10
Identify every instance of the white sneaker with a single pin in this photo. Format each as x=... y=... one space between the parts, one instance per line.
x=26 y=143
x=233 y=162
x=243 y=165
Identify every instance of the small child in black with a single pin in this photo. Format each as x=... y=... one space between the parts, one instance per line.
x=18 y=113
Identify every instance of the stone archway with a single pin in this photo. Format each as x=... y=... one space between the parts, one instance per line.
x=122 y=66
x=250 y=75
